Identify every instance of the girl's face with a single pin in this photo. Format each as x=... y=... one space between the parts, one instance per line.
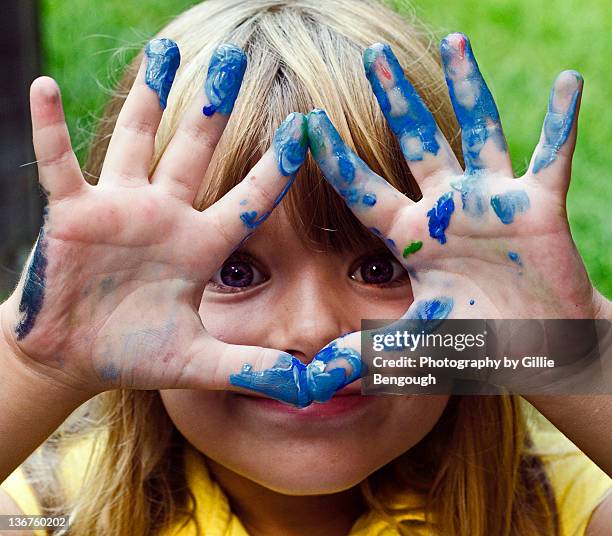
x=277 y=293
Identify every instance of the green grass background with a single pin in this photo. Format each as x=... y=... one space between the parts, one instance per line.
x=520 y=45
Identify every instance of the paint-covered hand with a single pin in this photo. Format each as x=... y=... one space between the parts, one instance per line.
x=480 y=243
x=110 y=294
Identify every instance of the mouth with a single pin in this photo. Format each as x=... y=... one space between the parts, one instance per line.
x=348 y=401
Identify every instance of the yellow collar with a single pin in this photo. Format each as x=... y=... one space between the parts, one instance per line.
x=216 y=518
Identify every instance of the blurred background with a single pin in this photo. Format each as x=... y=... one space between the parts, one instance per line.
x=520 y=44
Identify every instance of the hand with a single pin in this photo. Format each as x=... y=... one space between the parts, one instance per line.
x=111 y=292
x=480 y=243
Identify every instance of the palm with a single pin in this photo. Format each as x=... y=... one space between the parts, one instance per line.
x=499 y=270
x=111 y=293
x=113 y=259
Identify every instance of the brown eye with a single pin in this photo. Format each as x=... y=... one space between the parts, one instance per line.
x=379 y=270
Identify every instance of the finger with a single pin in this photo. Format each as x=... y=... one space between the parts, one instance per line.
x=335 y=367
x=238 y=213
x=371 y=198
x=129 y=154
x=58 y=168
x=484 y=144
x=552 y=157
x=213 y=364
x=186 y=159
x=276 y=374
x=425 y=148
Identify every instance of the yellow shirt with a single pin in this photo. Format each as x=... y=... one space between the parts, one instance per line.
x=578 y=483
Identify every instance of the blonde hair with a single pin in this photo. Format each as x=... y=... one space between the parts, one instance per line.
x=474 y=467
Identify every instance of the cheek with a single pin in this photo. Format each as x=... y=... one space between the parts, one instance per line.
x=235 y=322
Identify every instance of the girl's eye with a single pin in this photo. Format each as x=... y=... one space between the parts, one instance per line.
x=236 y=275
x=382 y=270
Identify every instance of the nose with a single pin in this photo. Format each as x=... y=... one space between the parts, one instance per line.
x=313 y=313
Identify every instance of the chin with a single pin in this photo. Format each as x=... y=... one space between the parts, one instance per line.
x=318 y=472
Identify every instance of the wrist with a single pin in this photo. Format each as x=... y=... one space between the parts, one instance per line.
x=33 y=404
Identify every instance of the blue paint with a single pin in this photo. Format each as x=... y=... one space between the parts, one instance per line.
x=208 y=110
x=109 y=372
x=515 y=257
x=33 y=293
x=472 y=101
x=252 y=220
x=323 y=382
x=369 y=199
x=244 y=202
x=509 y=204
x=474 y=200
x=34 y=286
x=435 y=309
x=225 y=72
x=285 y=381
x=290 y=381
x=407 y=115
x=389 y=242
x=290 y=143
x=163 y=60
x=440 y=215
x=557 y=125
x=472 y=302
x=343 y=169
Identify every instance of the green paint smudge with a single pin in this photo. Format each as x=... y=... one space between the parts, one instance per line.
x=412 y=248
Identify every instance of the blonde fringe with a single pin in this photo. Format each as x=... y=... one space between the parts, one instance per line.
x=473 y=467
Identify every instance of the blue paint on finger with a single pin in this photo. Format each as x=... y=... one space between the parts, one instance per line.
x=35 y=284
x=472 y=101
x=440 y=216
x=389 y=242
x=290 y=143
x=407 y=115
x=434 y=309
x=559 y=118
x=369 y=200
x=331 y=369
x=252 y=219
x=509 y=204
x=225 y=73
x=290 y=381
x=344 y=170
x=163 y=60
x=285 y=381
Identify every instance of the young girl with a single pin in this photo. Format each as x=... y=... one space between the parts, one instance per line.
x=159 y=426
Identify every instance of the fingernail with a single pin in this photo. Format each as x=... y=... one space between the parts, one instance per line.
x=316 y=120
x=163 y=60
x=290 y=143
x=454 y=45
x=225 y=73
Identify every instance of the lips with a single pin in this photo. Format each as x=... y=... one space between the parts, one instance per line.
x=346 y=403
